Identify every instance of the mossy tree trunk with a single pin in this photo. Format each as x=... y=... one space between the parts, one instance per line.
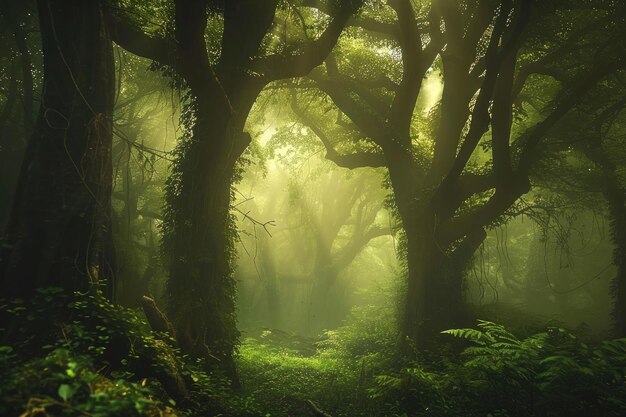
x=199 y=232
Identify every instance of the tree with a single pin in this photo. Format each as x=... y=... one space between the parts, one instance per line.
x=198 y=230
x=59 y=232
x=19 y=83
x=326 y=220
x=594 y=132
x=487 y=53
x=342 y=223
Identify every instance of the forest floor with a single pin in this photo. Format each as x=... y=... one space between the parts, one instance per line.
x=102 y=360
x=284 y=372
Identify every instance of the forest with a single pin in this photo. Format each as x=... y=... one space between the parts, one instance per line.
x=300 y=208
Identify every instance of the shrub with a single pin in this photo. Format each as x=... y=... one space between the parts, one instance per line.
x=76 y=354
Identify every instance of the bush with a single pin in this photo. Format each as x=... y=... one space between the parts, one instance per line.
x=62 y=383
x=75 y=354
x=552 y=373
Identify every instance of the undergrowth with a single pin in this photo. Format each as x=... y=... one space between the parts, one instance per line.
x=356 y=372
x=78 y=355
x=283 y=376
x=74 y=354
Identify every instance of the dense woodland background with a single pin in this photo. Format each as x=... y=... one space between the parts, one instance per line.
x=312 y=208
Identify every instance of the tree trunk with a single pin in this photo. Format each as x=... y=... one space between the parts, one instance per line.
x=435 y=293
x=617 y=208
x=59 y=232
x=615 y=194
x=12 y=149
x=326 y=308
x=199 y=241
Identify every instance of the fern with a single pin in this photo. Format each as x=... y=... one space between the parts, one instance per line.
x=472 y=335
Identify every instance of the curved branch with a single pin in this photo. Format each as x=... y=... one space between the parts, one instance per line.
x=531 y=138
x=381 y=29
x=480 y=115
x=350 y=161
x=127 y=35
x=369 y=124
x=279 y=66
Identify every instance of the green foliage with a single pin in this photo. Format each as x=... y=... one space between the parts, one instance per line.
x=552 y=373
x=62 y=383
x=369 y=331
x=281 y=379
x=413 y=389
x=81 y=355
x=552 y=370
x=76 y=355
x=281 y=373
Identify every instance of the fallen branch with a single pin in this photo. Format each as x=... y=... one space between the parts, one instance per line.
x=161 y=360
x=315 y=409
x=157 y=320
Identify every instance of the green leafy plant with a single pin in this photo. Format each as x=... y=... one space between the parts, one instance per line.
x=549 y=373
x=76 y=354
x=62 y=383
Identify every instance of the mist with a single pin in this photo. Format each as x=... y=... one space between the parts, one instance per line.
x=358 y=208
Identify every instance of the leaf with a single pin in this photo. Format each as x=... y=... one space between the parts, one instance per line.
x=65 y=392
x=472 y=335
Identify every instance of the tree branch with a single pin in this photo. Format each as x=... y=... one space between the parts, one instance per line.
x=461 y=226
x=480 y=115
x=350 y=161
x=368 y=123
x=501 y=121
x=279 y=66
x=530 y=139
x=385 y=30
x=126 y=34
x=415 y=64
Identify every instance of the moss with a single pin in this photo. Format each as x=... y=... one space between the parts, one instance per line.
x=74 y=354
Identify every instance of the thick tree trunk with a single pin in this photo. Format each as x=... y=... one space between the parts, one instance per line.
x=617 y=208
x=59 y=231
x=27 y=73
x=199 y=242
x=615 y=194
x=435 y=292
x=200 y=232
x=11 y=149
x=326 y=307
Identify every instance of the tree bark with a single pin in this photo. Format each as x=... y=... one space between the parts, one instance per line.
x=615 y=194
x=434 y=298
x=199 y=242
x=59 y=231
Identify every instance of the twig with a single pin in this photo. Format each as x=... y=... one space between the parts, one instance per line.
x=255 y=222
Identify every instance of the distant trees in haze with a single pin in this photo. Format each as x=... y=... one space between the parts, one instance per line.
x=321 y=223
